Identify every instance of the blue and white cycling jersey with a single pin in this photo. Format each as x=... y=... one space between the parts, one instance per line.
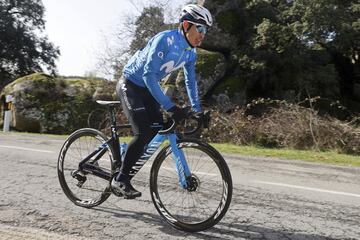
x=165 y=52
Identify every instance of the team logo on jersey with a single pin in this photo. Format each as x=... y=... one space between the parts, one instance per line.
x=124 y=90
x=170 y=40
x=169 y=66
x=161 y=55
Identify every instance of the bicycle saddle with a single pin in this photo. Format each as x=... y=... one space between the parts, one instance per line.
x=108 y=103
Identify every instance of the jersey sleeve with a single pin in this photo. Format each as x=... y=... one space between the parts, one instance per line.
x=152 y=66
x=191 y=85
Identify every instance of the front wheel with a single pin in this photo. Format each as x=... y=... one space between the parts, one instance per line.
x=202 y=204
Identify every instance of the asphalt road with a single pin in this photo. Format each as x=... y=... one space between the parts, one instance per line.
x=272 y=199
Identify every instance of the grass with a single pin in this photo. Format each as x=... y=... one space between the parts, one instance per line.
x=329 y=157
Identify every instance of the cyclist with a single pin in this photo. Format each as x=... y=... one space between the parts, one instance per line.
x=140 y=91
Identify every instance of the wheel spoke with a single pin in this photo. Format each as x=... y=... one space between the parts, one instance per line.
x=193 y=207
x=86 y=189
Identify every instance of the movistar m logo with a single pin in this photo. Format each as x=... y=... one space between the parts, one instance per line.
x=169 y=66
x=170 y=40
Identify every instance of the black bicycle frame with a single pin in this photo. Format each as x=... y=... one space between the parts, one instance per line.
x=88 y=166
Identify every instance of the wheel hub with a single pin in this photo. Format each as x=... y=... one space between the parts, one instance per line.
x=193 y=183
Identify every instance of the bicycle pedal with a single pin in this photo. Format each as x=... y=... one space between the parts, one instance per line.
x=130 y=197
x=116 y=193
x=80 y=184
x=78 y=176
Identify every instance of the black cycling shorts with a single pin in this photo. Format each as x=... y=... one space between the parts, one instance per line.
x=139 y=106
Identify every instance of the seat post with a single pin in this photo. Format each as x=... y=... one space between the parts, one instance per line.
x=114 y=134
x=112 y=115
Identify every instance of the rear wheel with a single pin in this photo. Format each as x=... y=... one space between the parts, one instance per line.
x=99 y=119
x=208 y=196
x=81 y=187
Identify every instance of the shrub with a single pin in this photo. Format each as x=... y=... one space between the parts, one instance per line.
x=283 y=124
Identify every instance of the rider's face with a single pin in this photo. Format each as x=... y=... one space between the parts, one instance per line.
x=193 y=35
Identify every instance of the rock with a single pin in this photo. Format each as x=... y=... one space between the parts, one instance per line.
x=46 y=104
x=223 y=102
x=235 y=86
x=356 y=91
x=105 y=91
x=169 y=83
x=211 y=67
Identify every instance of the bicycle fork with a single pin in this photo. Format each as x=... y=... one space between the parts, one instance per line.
x=180 y=162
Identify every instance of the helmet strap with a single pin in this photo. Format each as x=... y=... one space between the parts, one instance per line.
x=184 y=33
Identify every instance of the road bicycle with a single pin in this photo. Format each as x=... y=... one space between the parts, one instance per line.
x=98 y=119
x=190 y=182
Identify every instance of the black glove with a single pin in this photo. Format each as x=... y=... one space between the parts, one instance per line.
x=178 y=113
x=204 y=118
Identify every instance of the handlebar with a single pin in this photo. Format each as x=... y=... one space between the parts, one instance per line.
x=201 y=119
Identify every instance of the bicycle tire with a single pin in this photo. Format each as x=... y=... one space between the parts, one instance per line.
x=171 y=203
x=78 y=145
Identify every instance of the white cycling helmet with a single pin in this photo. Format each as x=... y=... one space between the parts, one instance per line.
x=197 y=14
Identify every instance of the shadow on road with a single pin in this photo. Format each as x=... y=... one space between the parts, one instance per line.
x=219 y=231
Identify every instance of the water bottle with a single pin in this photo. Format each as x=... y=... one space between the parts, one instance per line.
x=123 y=148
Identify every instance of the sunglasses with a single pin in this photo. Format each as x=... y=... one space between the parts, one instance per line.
x=200 y=28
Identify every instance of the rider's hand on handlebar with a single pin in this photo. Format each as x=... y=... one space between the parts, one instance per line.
x=204 y=118
x=178 y=113
x=199 y=115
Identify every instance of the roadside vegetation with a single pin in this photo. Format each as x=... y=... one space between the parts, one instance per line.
x=280 y=124
x=326 y=157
